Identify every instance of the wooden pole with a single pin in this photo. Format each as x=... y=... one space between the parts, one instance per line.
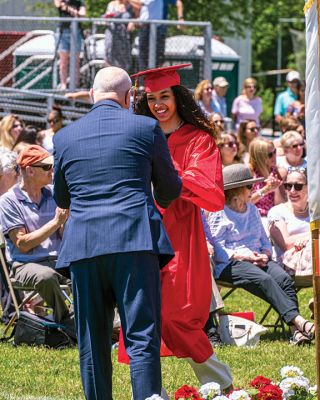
x=315 y=226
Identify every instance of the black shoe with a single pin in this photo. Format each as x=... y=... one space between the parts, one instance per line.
x=214 y=337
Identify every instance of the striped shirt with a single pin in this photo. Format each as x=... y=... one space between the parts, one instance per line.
x=232 y=232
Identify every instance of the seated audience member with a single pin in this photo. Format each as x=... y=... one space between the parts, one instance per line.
x=228 y=147
x=32 y=226
x=10 y=128
x=242 y=252
x=291 y=123
x=289 y=225
x=9 y=170
x=263 y=164
x=294 y=151
x=247 y=131
x=29 y=135
x=9 y=175
x=55 y=119
x=218 y=121
x=203 y=96
x=247 y=106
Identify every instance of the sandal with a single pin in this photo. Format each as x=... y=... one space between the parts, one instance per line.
x=310 y=333
x=299 y=339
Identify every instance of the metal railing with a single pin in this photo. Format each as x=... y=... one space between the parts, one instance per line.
x=96 y=25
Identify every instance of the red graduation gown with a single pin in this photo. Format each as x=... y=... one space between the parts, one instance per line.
x=186 y=280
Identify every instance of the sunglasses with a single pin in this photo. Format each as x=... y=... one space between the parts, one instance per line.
x=297 y=169
x=53 y=121
x=297 y=186
x=295 y=146
x=46 y=167
x=230 y=144
x=272 y=153
x=255 y=129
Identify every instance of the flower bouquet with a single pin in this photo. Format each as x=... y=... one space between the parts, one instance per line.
x=292 y=386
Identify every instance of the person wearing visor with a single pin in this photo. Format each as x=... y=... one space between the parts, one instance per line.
x=186 y=280
x=32 y=226
x=284 y=99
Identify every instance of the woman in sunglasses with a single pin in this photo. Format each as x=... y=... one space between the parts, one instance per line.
x=203 y=96
x=293 y=146
x=242 y=252
x=289 y=225
x=263 y=164
x=247 y=105
x=55 y=121
x=248 y=130
x=11 y=127
x=228 y=147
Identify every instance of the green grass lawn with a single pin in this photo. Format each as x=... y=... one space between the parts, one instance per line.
x=36 y=373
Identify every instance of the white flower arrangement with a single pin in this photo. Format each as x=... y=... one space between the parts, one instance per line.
x=290 y=386
x=154 y=397
x=289 y=371
x=210 y=390
x=239 y=395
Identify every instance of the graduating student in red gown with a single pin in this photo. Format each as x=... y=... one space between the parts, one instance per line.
x=186 y=280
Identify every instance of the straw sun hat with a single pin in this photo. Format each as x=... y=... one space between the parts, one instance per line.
x=238 y=175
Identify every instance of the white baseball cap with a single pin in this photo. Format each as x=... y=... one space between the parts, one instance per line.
x=220 y=81
x=293 y=75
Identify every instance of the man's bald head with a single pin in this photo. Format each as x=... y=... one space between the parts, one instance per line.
x=111 y=83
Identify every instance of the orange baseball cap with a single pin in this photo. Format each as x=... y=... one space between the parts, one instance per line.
x=160 y=78
x=34 y=154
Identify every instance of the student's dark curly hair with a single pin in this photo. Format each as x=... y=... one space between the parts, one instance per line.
x=187 y=108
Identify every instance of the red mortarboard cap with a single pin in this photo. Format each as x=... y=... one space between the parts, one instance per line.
x=160 y=78
x=34 y=154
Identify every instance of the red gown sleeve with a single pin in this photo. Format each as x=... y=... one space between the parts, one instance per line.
x=202 y=181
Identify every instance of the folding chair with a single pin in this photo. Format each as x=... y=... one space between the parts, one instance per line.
x=278 y=324
x=14 y=285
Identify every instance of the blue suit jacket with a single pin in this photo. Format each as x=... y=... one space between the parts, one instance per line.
x=103 y=168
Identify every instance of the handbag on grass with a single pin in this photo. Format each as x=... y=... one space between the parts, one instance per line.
x=38 y=331
x=239 y=331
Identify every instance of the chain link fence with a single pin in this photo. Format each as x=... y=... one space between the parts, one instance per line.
x=30 y=47
x=32 y=61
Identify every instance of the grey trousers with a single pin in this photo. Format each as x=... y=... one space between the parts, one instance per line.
x=46 y=281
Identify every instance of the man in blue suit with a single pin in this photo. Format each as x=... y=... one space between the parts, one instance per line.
x=114 y=241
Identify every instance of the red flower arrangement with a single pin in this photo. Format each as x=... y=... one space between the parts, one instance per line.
x=269 y=392
x=186 y=392
x=260 y=381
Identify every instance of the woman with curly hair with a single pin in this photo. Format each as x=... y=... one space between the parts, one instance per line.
x=186 y=280
x=10 y=128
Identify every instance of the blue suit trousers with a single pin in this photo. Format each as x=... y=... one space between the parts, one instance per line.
x=132 y=281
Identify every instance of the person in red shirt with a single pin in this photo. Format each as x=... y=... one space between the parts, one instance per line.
x=186 y=280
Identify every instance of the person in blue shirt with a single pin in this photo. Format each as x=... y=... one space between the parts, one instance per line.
x=284 y=99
